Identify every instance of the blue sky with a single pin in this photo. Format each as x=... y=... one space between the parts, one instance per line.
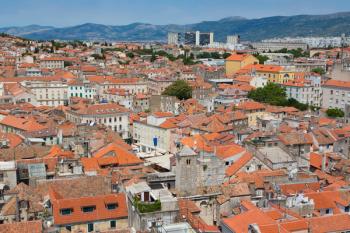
x=120 y=12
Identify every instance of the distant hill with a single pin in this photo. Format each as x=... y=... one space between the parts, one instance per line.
x=23 y=31
x=249 y=29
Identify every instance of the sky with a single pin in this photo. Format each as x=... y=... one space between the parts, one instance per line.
x=61 y=13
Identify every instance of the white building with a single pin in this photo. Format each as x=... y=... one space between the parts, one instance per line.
x=145 y=134
x=132 y=85
x=336 y=94
x=267 y=46
x=52 y=63
x=49 y=91
x=314 y=42
x=119 y=96
x=306 y=91
x=233 y=39
x=174 y=38
x=82 y=88
x=258 y=81
x=111 y=115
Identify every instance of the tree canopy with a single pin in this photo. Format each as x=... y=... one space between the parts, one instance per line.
x=275 y=95
x=271 y=94
x=319 y=70
x=335 y=112
x=262 y=58
x=180 y=89
x=296 y=52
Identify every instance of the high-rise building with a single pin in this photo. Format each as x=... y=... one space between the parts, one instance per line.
x=174 y=38
x=190 y=38
x=198 y=38
x=206 y=38
x=233 y=39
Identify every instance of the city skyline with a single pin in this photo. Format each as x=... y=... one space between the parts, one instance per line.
x=68 y=13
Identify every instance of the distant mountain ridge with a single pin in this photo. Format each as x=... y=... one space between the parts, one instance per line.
x=249 y=29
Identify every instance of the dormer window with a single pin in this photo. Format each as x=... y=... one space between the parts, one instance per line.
x=88 y=209
x=66 y=211
x=111 y=206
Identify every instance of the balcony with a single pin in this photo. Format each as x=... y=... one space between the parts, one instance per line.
x=147 y=207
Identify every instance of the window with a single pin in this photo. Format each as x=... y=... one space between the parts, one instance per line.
x=69 y=228
x=347 y=208
x=328 y=211
x=90 y=227
x=112 y=206
x=120 y=118
x=66 y=211
x=87 y=209
x=113 y=224
x=188 y=161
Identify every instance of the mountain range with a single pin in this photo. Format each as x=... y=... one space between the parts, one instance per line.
x=249 y=29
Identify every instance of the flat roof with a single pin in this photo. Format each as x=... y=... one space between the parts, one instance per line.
x=276 y=154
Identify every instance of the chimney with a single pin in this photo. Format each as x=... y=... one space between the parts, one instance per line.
x=17 y=209
x=324 y=159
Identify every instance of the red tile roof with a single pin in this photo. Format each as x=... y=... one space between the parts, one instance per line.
x=237 y=57
x=330 y=223
x=99 y=213
x=263 y=68
x=231 y=170
x=240 y=223
x=337 y=83
x=29 y=124
x=22 y=227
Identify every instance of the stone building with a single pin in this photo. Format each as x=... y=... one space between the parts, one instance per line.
x=197 y=170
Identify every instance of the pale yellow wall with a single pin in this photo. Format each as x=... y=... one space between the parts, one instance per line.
x=277 y=77
x=252 y=117
x=122 y=224
x=234 y=66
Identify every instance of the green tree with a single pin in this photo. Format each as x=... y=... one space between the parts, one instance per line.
x=215 y=55
x=67 y=63
x=226 y=55
x=295 y=52
x=97 y=56
x=335 y=112
x=275 y=95
x=271 y=94
x=319 y=71
x=153 y=57
x=180 y=89
x=130 y=55
x=262 y=58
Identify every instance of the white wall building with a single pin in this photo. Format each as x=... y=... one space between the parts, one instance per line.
x=336 y=94
x=48 y=91
x=145 y=133
x=111 y=115
x=82 y=88
x=52 y=63
x=308 y=91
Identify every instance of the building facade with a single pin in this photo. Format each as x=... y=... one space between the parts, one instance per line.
x=111 y=115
